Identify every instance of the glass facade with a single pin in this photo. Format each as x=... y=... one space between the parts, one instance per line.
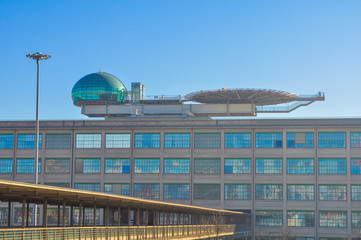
x=117 y=188
x=268 y=191
x=355 y=139
x=176 y=191
x=356 y=219
x=332 y=166
x=269 y=140
x=6 y=141
x=146 y=165
x=332 y=192
x=146 y=190
x=207 y=166
x=207 y=191
x=355 y=166
x=207 y=140
x=237 y=166
x=300 y=166
x=6 y=165
x=27 y=141
x=269 y=218
x=147 y=140
x=333 y=219
x=88 y=140
x=95 y=187
x=177 y=140
x=356 y=192
x=87 y=165
x=237 y=191
x=268 y=166
x=26 y=165
x=117 y=165
x=58 y=141
x=117 y=140
x=296 y=218
x=57 y=165
x=299 y=140
x=332 y=140
x=301 y=192
x=175 y=165
x=238 y=140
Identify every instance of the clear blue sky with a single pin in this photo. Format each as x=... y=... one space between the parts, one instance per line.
x=178 y=47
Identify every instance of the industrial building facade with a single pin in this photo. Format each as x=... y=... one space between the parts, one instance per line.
x=294 y=177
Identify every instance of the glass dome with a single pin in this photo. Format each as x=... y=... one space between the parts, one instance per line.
x=97 y=88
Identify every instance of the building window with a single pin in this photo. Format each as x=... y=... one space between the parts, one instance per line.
x=300 y=166
x=6 y=140
x=269 y=140
x=88 y=216
x=177 y=140
x=355 y=140
x=207 y=166
x=237 y=191
x=356 y=166
x=332 y=166
x=176 y=191
x=355 y=192
x=17 y=215
x=117 y=140
x=95 y=187
x=58 y=141
x=356 y=219
x=332 y=140
x=207 y=191
x=26 y=165
x=87 y=165
x=300 y=218
x=3 y=215
x=301 y=192
x=57 y=165
x=268 y=191
x=299 y=140
x=146 y=165
x=28 y=140
x=146 y=190
x=173 y=165
x=117 y=188
x=117 y=165
x=269 y=166
x=88 y=140
x=53 y=216
x=332 y=192
x=64 y=185
x=238 y=140
x=147 y=140
x=333 y=219
x=207 y=140
x=237 y=166
x=6 y=165
x=269 y=218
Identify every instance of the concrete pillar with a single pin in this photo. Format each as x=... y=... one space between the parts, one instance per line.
x=64 y=214
x=94 y=215
x=23 y=213
x=45 y=213
x=27 y=214
x=107 y=216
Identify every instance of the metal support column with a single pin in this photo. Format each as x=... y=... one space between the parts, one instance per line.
x=81 y=214
x=27 y=214
x=94 y=215
x=9 y=213
x=23 y=213
x=58 y=215
x=64 y=214
x=71 y=215
x=45 y=213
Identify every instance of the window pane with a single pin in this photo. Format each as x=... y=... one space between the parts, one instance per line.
x=117 y=188
x=6 y=165
x=176 y=191
x=64 y=185
x=268 y=191
x=26 y=165
x=333 y=219
x=57 y=165
x=176 y=165
x=146 y=190
x=269 y=166
x=147 y=140
x=237 y=191
x=300 y=218
x=6 y=140
x=28 y=140
x=87 y=165
x=207 y=166
x=331 y=140
x=356 y=166
x=207 y=140
x=237 y=165
x=117 y=140
x=3 y=215
x=238 y=140
x=117 y=165
x=332 y=192
x=355 y=139
x=207 y=191
x=355 y=192
x=269 y=140
x=176 y=140
x=88 y=140
x=300 y=166
x=269 y=218
x=332 y=166
x=144 y=165
x=58 y=141
x=302 y=192
x=356 y=219
x=88 y=186
x=299 y=140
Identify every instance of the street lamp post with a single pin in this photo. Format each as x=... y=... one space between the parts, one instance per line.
x=37 y=56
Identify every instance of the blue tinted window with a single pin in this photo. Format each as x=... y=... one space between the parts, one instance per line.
x=332 y=140
x=58 y=141
x=332 y=192
x=268 y=191
x=207 y=191
x=270 y=218
x=88 y=186
x=172 y=165
x=6 y=140
x=268 y=166
x=147 y=140
x=177 y=140
x=117 y=188
x=356 y=219
x=207 y=140
x=87 y=165
x=238 y=140
x=6 y=165
x=300 y=166
x=176 y=191
x=355 y=192
x=146 y=190
x=299 y=140
x=237 y=166
x=146 y=165
x=237 y=191
x=332 y=166
x=300 y=218
x=28 y=141
x=333 y=219
x=117 y=165
x=88 y=140
x=355 y=139
x=207 y=166
x=301 y=192
x=117 y=140
x=356 y=166
x=26 y=165
x=269 y=140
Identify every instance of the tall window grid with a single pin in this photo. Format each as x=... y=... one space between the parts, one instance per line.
x=28 y=140
x=6 y=141
x=6 y=165
x=117 y=140
x=26 y=165
x=237 y=166
x=268 y=166
x=268 y=191
x=299 y=140
x=177 y=140
x=87 y=165
x=117 y=165
x=269 y=218
x=300 y=166
x=147 y=140
x=117 y=188
x=356 y=192
x=355 y=166
x=238 y=140
x=88 y=140
x=57 y=165
x=207 y=191
x=331 y=139
x=176 y=191
x=58 y=140
x=332 y=192
x=95 y=187
x=301 y=192
x=333 y=219
x=207 y=140
x=178 y=166
x=207 y=166
x=269 y=140
x=332 y=166
x=146 y=190
x=355 y=139
x=237 y=191
x=296 y=218
x=146 y=165
x=356 y=219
